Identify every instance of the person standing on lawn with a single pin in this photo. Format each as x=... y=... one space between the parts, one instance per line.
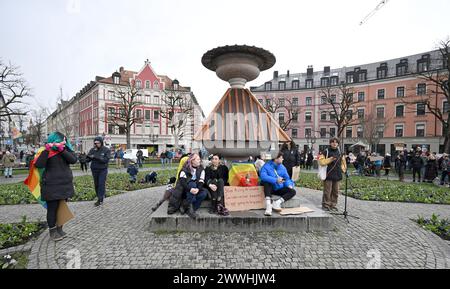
x=82 y=158
x=431 y=169
x=57 y=178
x=400 y=165
x=8 y=162
x=99 y=157
x=417 y=164
x=445 y=167
x=336 y=167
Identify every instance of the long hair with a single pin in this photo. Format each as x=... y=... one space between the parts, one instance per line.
x=188 y=165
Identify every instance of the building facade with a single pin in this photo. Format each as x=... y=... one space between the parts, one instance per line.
x=85 y=116
x=383 y=93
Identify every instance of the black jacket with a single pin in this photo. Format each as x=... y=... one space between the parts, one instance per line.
x=82 y=158
x=431 y=170
x=99 y=158
x=220 y=173
x=291 y=158
x=183 y=183
x=334 y=170
x=57 y=180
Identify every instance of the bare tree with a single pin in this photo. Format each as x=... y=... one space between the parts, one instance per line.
x=373 y=127
x=125 y=116
x=437 y=84
x=38 y=119
x=177 y=108
x=289 y=109
x=13 y=88
x=340 y=99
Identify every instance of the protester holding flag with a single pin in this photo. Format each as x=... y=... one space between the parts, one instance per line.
x=56 y=179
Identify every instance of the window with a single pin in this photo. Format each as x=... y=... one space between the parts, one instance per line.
x=295 y=116
x=295 y=84
x=308 y=101
x=281 y=85
x=349 y=132
x=324 y=81
x=380 y=112
x=121 y=129
x=323 y=99
x=421 y=89
x=420 y=130
x=381 y=73
x=349 y=114
x=446 y=107
x=267 y=102
x=333 y=98
x=399 y=130
x=138 y=84
x=156 y=129
x=138 y=113
x=332 y=116
x=323 y=115
x=360 y=113
x=111 y=129
x=281 y=102
x=380 y=93
x=111 y=112
x=294 y=133
x=380 y=131
x=334 y=80
x=332 y=132
x=402 y=70
x=421 y=108
x=281 y=117
x=308 y=117
x=295 y=101
x=155 y=115
x=361 y=96
x=323 y=132
x=116 y=79
x=147 y=114
x=307 y=132
x=350 y=77
x=360 y=132
x=268 y=86
x=401 y=91
x=156 y=99
x=422 y=66
x=309 y=83
x=147 y=84
x=362 y=76
x=111 y=95
x=155 y=85
x=399 y=110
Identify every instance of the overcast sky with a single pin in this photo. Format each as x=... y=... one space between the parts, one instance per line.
x=68 y=42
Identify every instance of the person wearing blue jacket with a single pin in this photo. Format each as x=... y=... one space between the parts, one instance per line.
x=275 y=179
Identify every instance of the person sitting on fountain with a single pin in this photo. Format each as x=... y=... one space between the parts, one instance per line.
x=275 y=179
x=216 y=178
x=189 y=191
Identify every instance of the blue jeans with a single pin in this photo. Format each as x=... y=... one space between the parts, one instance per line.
x=8 y=172
x=99 y=183
x=197 y=199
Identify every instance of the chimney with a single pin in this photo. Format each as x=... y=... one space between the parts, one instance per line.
x=310 y=71
x=275 y=74
x=326 y=70
x=121 y=69
x=288 y=73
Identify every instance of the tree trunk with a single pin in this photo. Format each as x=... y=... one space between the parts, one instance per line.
x=175 y=135
x=128 y=139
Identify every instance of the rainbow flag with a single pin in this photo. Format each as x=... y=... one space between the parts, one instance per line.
x=33 y=181
x=243 y=175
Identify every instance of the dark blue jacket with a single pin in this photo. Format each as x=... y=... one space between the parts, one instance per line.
x=99 y=157
x=132 y=170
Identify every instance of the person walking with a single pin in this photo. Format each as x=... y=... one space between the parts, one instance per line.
x=82 y=158
x=336 y=167
x=8 y=162
x=139 y=157
x=57 y=178
x=99 y=157
x=276 y=181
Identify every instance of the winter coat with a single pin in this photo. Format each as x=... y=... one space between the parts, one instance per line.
x=57 y=180
x=387 y=162
x=132 y=170
x=291 y=158
x=431 y=170
x=99 y=156
x=445 y=165
x=310 y=159
x=270 y=173
x=220 y=173
x=82 y=158
x=8 y=160
x=334 y=170
x=417 y=162
x=183 y=182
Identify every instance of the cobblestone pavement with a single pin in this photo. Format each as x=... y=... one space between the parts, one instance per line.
x=115 y=236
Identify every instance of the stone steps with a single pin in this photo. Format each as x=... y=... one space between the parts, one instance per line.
x=247 y=221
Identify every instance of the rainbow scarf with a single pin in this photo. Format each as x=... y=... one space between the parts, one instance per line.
x=33 y=181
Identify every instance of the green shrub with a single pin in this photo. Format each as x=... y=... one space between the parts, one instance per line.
x=19 y=233
x=440 y=227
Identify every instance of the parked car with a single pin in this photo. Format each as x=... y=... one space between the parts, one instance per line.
x=130 y=154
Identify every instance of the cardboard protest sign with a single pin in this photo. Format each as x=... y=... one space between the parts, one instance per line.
x=244 y=198
x=295 y=211
x=64 y=214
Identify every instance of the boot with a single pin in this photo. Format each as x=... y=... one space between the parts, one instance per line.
x=155 y=207
x=54 y=235
x=190 y=212
x=213 y=208
x=98 y=203
x=268 y=211
x=60 y=231
x=277 y=205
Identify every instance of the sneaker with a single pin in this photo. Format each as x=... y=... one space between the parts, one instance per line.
x=276 y=206
x=334 y=209
x=325 y=208
x=98 y=203
x=268 y=211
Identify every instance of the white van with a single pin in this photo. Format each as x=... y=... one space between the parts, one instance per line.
x=130 y=154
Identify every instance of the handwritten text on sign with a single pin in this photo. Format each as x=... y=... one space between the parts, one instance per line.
x=244 y=198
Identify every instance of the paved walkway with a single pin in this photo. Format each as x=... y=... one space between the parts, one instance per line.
x=115 y=236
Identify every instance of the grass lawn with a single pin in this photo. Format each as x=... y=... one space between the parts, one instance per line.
x=117 y=183
x=372 y=189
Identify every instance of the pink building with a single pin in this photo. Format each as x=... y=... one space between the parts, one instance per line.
x=383 y=93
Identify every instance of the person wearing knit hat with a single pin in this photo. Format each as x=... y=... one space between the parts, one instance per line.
x=57 y=179
x=99 y=157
